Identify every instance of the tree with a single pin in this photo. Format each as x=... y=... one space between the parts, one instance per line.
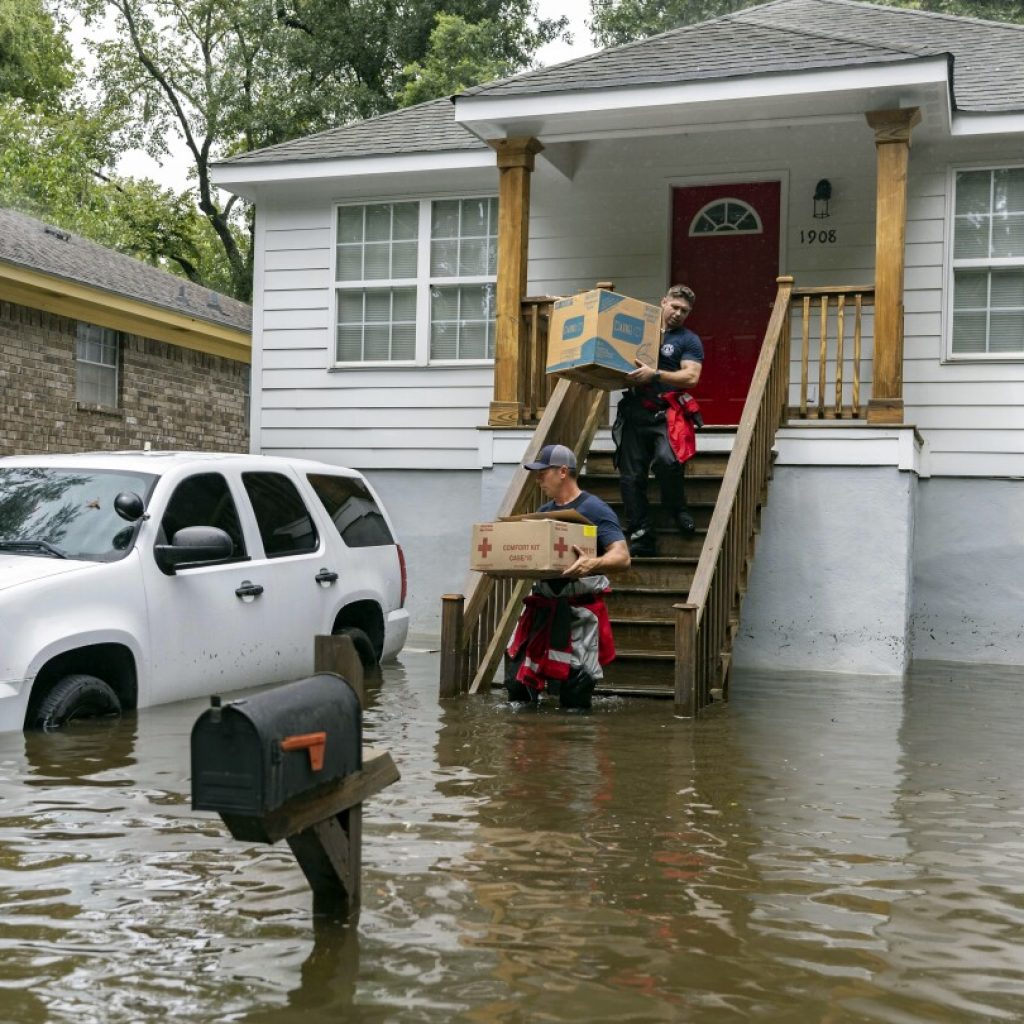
x=35 y=58
x=460 y=55
x=621 y=21
x=223 y=77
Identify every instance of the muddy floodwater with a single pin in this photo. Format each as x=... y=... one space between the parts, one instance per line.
x=828 y=849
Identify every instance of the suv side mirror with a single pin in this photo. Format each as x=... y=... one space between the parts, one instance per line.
x=128 y=505
x=193 y=546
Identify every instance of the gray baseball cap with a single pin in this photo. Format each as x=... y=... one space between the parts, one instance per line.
x=553 y=455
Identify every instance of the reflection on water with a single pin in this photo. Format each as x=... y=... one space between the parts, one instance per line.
x=827 y=849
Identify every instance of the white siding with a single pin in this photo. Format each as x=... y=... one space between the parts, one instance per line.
x=611 y=221
x=387 y=417
x=970 y=413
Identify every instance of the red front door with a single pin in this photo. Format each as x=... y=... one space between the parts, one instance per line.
x=725 y=246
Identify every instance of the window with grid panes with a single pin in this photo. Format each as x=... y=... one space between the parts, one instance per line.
x=415 y=281
x=96 y=359
x=988 y=263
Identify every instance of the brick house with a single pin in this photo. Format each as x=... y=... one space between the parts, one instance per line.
x=101 y=351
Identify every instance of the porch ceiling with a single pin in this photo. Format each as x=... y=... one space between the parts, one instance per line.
x=827 y=95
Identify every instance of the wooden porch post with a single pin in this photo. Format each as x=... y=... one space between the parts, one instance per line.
x=892 y=142
x=515 y=165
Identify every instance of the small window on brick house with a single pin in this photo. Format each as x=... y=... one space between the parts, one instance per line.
x=97 y=352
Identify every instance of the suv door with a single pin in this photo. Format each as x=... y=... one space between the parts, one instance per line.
x=301 y=570
x=208 y=624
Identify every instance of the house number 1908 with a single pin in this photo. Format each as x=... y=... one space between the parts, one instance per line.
x=818 y=237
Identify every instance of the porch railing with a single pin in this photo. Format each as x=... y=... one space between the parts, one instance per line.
x=535 y=386
x=831 y=328
x=705 y=624
x=475 y=627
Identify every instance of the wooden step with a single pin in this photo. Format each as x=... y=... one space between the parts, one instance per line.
x=652 y=634
x=702 y=463
x=640 y=672
x=643 y=602
x=698 y=488
x=661 y=520
x=661 y=572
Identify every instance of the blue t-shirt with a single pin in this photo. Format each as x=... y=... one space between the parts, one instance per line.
x=677 y=347
x=598 y=512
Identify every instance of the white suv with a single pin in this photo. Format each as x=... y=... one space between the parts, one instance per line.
x=137 y=578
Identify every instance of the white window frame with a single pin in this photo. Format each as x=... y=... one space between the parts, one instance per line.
x=422 y=283
x=953 y=264
x=118 y=339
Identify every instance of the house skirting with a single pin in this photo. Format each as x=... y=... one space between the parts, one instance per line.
x=862 y=564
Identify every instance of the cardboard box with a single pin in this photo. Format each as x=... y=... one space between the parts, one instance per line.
x=597 y=336
x=527 y=547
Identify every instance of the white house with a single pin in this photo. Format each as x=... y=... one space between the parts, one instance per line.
x=873 y=154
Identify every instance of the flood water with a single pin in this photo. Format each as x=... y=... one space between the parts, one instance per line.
x=826 y=849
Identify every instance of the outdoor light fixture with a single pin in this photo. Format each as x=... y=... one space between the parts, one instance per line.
x=822 y=194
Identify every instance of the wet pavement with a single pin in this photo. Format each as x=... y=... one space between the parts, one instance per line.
x=830 y=849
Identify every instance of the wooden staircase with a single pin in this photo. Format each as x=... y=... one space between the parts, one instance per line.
x=642 y=602
x=675 y=617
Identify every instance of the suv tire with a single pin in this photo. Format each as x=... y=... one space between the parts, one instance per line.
x=362 y=643
x=74 y=697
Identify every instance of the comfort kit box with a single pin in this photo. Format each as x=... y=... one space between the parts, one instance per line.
x=529 y=548
x=595 y=337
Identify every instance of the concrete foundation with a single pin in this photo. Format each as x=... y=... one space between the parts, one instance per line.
x=831 y=584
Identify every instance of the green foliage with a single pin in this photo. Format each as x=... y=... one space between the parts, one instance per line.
x=621 y=21
x=35 y=58
x=222 y=77
x=460 y=55
x=58 y=166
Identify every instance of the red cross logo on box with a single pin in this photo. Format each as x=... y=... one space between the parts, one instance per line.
x=485 y=547
x=561 y=547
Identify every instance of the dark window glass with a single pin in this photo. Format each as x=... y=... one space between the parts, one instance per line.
x=352 y=510
x=69 y=510
x=204 y=500
x=284 y=521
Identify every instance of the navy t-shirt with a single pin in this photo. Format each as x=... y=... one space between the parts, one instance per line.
x=677 y=347
x=598 y=512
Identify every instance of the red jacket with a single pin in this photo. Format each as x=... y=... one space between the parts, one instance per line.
x=545 y=630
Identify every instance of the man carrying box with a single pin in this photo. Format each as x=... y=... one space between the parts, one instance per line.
x=563 y=637
x=643 y=429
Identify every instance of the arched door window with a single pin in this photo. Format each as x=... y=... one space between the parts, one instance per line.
x=726 y=217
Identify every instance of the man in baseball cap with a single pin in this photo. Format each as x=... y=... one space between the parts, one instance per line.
x=564 y=637
x=553 y=455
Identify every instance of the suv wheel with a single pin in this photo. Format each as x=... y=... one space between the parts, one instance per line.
x=362 y=643
x=74 y=697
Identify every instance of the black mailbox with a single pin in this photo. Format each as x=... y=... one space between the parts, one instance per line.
x=255 y=755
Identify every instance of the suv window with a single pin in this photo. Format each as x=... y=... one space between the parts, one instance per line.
x=70 y=510
x=352 y=510
x=284 y=521
x=204 y=500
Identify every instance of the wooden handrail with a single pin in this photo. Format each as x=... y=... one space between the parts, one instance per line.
x=475 y=628
x=712 y=606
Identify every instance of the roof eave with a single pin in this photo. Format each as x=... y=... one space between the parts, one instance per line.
x=572 y=113
x=66 y=297
x=247 y=178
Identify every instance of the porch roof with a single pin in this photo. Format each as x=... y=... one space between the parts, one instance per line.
x=980 y=62
x=798 y=35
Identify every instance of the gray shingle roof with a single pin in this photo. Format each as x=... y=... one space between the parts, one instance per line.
x=35 y=245
x=426 y=128
x=797 y=35
x=775 y=37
